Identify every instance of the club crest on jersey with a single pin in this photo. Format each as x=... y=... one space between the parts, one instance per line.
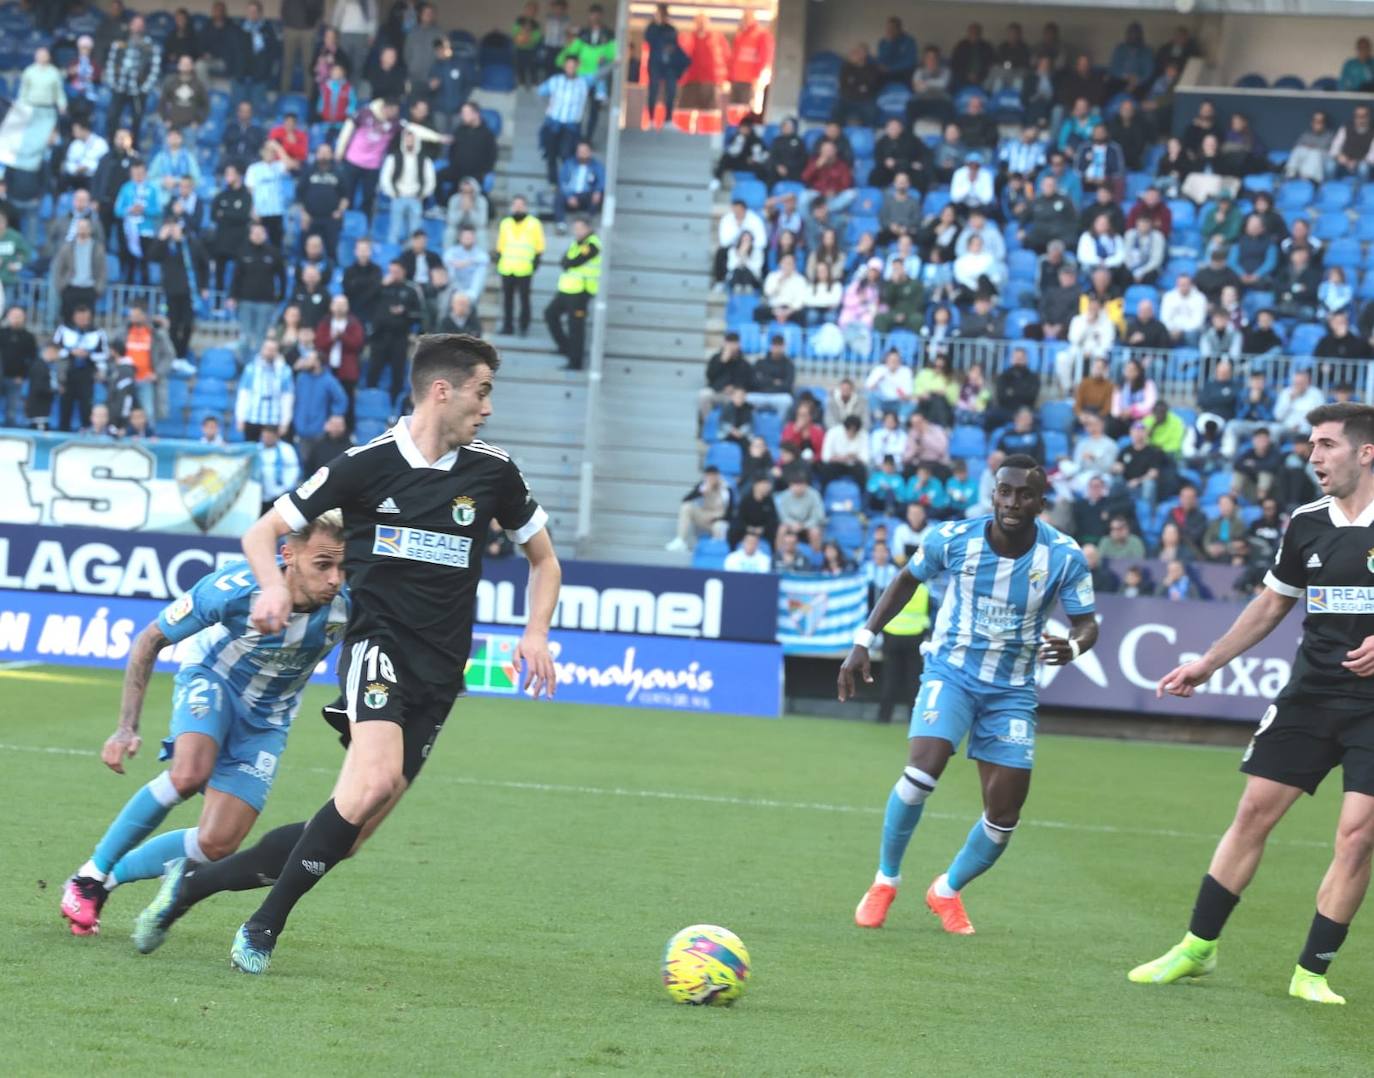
x=375 y=695
x=1369 y=560
x=1037 y=578
x=465 y=511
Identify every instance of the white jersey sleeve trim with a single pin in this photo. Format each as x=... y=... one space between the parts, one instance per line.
x=1273 y=583
x=289 y=513
x=532 y=527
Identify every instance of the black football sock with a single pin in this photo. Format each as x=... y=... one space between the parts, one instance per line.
x=326 y=841
x=257 y=866
x=1324 y=939
x=1214 y=904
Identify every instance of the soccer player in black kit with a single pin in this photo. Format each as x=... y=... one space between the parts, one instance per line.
x=417 y=504
x=1322 y=718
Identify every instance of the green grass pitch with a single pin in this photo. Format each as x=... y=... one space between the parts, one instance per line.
x=509 y=918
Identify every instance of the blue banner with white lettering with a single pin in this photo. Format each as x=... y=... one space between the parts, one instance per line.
x=642 y=599
x=613 y=669
x=155 y=486
x=818 y=614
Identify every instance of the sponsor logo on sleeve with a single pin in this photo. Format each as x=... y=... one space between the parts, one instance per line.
x=179 y=609
x=306 y=489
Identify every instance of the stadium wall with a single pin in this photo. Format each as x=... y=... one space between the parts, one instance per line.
x=1308 y=46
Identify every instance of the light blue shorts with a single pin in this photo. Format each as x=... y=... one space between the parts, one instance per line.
x=999 y=722
x=203 y=704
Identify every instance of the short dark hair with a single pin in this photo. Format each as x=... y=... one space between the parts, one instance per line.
x=1357 y=420
x=450 y=356
x=1025 y=462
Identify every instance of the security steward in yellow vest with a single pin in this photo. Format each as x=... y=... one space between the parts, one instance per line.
x=519 y=245
x=577 y=284
x=902 y=663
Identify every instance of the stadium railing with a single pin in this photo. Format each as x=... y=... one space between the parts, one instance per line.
x=1178 y=373
x=214 y=325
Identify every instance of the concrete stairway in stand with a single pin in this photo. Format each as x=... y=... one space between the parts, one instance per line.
x=657 y=294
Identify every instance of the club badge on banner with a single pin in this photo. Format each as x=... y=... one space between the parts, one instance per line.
x=818 y=614
x=161 y=486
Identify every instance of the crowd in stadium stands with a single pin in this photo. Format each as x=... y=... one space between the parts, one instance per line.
x=1008 y=251
x=319 y=179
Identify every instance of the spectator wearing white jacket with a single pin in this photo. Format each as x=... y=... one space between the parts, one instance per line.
x=784 y=294
x=407 y=179
x=1183 y=310
x=1100 y=246
x=971 y=185
x=740 y=219
x=1091 y=336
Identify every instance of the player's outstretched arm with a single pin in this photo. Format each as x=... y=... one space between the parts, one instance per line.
x=125 y=741
x=897 y=595
x=260 y=544
x=1260 y=618
x=546 y=577
x=1062 y=650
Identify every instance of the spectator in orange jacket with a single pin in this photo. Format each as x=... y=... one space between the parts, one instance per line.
x=709 y=67
x=751 y=59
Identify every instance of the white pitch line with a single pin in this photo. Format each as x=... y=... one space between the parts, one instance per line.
x=744 y=802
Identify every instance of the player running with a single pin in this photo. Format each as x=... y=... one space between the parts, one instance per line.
x=1324 y=716
x=417 y=504
x=1005 y=572
x=233 y=701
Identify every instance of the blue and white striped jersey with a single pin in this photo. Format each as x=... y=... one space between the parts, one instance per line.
x=994 y=610
x=266 y=674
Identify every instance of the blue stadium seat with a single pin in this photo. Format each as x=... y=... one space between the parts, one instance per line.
x=824 y=63
x=1007 y=106
x=1173 y=268
x=1335 y=195
x=1217 y=484
x=497 y=78
x=1023 y=264
x=1260 y=181
x=811 y=138
x=967 y=94
x=1293 y=196
x=296 y=104
x=768 y=426
x=892 y=101
x=1183 y=212
x=935 y=200
x=753 y=193
x=1018 y=320
x=1289 y=82
x=739 y=307
x=1331 y=226
x=1056 y=445
x=792 y=336
x=793 y=187
x=1327 y=84
x=372 y=404
x=710 y=426
x=354 y=224
x=217 y=364
x=1136 y=293
x=1254 y=302
x=867 y=202
x=364 y=430
x=1305 y=338
x=904 y=341
x=751 y=341
x=492 y=119
x=1364 y=224
x=1344 y=252
x=817 y=101
x=857 y=226
x=726 y=457
x=861 y=140
x=710 y=553
x=1136 y=183
x=847 y=530
x=842 y=496
x=1057 y=416
x=968 y=441
x=1251 y=81
x=1366 y=289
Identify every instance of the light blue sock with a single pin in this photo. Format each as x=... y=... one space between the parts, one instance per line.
x=135 y=822
x=904 y=806
x=146 y=862
x=983 y=846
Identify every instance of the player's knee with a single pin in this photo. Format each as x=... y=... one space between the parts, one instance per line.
x=1256 y=816
x=1354 y=845
x=214 y=846
x=914 y=786
x=378 y=786
x=189 y=775
x=999 y=826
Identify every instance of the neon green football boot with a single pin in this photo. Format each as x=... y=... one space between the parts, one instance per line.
x=1189 y=960
x=1312 y=987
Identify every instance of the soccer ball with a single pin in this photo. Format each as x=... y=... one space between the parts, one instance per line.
x=705 y=964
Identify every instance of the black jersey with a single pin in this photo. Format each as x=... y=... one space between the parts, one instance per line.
x=414 y=535
x=1327 y=562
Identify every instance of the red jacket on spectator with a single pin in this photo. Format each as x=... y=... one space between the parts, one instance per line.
x=1164 y=220
x=829 y=179
x=812 y=438
x=296 y=143
x=351 y=346
x=750 y=54
x=336 y=102
x=709 y=54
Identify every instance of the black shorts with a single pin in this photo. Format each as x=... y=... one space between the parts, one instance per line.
x=377 y=685
x=1301 y=738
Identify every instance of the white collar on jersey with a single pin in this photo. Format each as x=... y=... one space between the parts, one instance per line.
x=411 y=452
x=1364 y=520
